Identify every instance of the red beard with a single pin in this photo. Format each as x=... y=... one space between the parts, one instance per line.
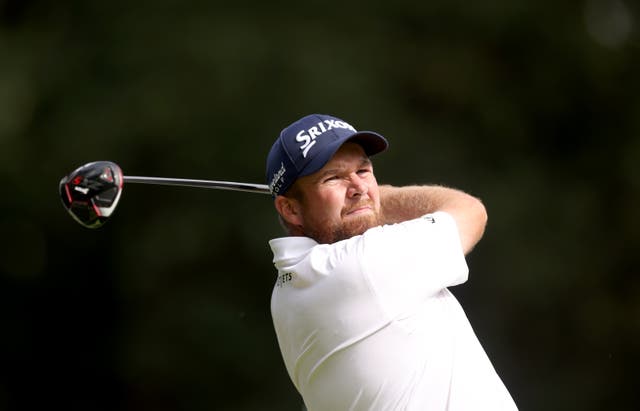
x=328 y=234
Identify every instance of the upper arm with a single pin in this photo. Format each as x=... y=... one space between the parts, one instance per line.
x=414 y=260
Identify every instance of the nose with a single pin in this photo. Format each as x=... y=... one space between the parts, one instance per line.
x=358 y=186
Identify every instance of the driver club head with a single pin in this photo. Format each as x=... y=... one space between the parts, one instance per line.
x=91 y=192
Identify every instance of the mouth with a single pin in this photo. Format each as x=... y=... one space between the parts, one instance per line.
x=361 y=209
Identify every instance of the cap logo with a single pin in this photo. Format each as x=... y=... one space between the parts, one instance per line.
x=308 y=137
x=276 y=182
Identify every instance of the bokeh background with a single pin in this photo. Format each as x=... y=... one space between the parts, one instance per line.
x=531 y=106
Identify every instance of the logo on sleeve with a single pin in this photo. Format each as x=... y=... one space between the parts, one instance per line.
x=284 y=278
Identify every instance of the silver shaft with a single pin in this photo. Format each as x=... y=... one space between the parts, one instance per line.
x=221 y=185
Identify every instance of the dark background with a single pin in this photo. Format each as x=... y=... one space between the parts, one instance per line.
x=532 y=107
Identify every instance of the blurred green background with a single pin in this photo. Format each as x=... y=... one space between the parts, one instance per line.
x=532 y=107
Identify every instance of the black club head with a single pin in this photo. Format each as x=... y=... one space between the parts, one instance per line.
x=91 y=192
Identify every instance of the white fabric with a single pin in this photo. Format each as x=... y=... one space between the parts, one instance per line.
x=368 y=323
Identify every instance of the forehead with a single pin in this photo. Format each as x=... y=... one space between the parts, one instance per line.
x=348 y=155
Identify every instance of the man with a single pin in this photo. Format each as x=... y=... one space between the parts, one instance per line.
x=361 y=309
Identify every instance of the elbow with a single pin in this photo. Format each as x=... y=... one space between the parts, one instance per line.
x=482 y=216
x=476 y=222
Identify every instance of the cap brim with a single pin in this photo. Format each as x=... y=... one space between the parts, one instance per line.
x=372 y=142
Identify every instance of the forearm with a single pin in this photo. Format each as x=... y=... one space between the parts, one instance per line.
x=409 y=202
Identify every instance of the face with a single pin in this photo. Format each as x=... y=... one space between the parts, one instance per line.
x=338 y=201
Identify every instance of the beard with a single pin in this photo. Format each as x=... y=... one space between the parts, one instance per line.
x=333 y=232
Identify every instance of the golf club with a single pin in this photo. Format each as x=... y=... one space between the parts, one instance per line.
x=91 y=192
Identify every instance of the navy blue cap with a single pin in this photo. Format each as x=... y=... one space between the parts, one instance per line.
x=306 y=145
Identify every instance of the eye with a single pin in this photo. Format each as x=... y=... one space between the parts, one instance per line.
x=329 y=178
x=364 y=171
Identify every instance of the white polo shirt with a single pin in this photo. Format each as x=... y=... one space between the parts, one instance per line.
x=368 y=323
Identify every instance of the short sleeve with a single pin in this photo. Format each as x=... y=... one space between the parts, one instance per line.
x=412 y=261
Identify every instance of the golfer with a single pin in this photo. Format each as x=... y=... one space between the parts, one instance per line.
x=361 y=309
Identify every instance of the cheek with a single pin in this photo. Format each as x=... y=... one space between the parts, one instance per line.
x=328 y=205
x=375 y=195
x=374 y=191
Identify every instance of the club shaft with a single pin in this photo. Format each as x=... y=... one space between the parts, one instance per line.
x=220 y=185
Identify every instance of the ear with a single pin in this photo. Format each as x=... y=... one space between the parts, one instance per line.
x=289 y=209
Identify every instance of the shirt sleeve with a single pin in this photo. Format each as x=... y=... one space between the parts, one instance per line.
x=412 y=261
